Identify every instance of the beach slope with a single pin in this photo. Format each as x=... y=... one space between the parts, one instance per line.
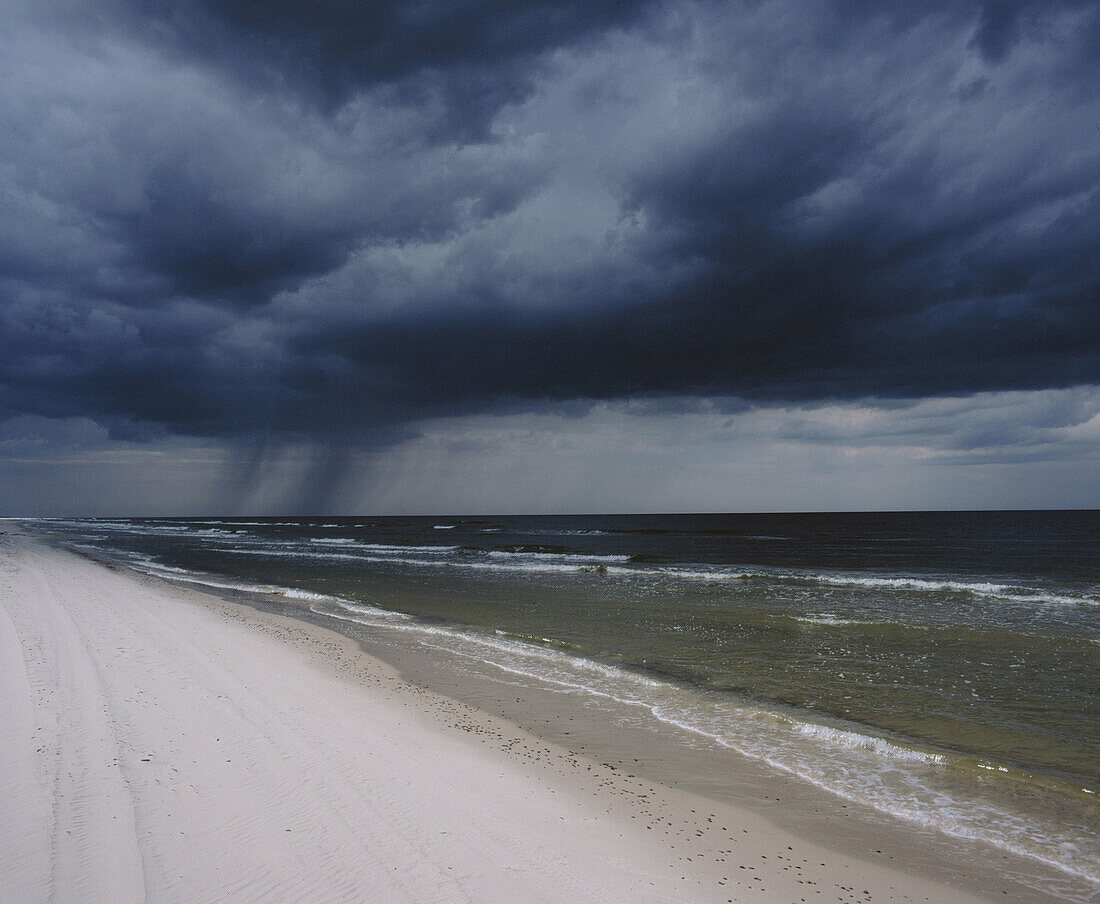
x=160 y=744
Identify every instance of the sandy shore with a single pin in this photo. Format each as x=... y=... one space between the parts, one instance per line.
x=161 y=744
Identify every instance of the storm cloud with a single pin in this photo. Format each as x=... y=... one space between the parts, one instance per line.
x=327 y=221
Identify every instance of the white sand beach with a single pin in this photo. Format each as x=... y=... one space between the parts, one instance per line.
x=160 y=744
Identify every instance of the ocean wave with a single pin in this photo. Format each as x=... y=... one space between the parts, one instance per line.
x=829 y=620
x=1002 y=592
x=236 y=537
x=563 y=557
x=351 y=542
x=232 y=523
x=290 y=552
x=545 y=649
x=562 y=532
x=150 y=566
x=388 y=555
x=296 y=594
x=179 y=575
x=533 y=566
x=840 y=737
x=1005 y=592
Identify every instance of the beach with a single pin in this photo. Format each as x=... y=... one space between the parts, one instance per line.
x=162 y=743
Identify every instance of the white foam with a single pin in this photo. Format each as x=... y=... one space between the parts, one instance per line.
x=567 y=533
x=150 y=566
x=1002 y=592
x=1008 y=592
x=295 y=594
x=829 y=620
x=204 y=581
x=837 y=737
x=379 y=547
x=288 y=552
x=566 y=558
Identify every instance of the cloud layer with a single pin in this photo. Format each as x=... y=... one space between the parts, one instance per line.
x=325 y=221
x=990 y=450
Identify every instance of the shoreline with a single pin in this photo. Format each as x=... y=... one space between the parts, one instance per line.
x=708 y=847
x=681 y=760
x=670 y=746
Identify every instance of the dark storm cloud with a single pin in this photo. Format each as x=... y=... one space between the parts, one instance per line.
x=475 y=52
x=330 y=220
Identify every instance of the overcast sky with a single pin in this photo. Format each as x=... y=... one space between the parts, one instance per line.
x=462 y=256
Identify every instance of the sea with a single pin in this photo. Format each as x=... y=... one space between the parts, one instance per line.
x=940 y=667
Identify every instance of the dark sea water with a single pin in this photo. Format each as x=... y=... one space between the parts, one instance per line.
x=940 y=667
